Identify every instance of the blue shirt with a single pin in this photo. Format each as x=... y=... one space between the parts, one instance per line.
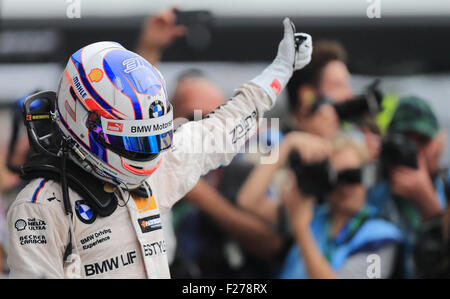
x=405 y=216
x=360 y=234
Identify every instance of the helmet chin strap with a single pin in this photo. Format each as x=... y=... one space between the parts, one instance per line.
x=137 y=191
x=72 y=151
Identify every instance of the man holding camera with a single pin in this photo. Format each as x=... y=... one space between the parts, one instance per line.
x=326 y=76
x=412 y=194
x=320 y=98
x=335 y=238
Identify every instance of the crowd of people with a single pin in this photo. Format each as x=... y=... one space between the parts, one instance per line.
x=337 y=193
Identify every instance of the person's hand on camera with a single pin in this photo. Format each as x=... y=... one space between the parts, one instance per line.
x=416 y=186
x=158 y=32
x=312 y=148
x=299 y=207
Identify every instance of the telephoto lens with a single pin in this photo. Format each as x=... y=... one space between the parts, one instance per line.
x=368 y=103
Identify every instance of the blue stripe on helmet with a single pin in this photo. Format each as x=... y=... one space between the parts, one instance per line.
x=129 y=73
x=161 y=80
x=125 y=88
x=76 y=58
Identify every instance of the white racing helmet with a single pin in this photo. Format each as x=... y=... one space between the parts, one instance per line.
x=113 y=104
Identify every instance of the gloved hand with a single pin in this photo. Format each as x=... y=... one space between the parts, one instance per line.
x=289 y=59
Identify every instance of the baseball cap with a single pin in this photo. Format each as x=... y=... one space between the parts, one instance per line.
x=414 y=114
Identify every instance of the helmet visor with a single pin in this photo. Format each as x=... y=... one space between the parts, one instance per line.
x=133 y=139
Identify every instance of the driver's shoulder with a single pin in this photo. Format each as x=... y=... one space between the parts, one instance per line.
x=39 y=191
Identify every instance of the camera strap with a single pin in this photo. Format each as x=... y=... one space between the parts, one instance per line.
x=347 y=232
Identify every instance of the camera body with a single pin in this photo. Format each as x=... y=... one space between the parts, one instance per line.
x=397 y=150
x=368 y=103
x=193 y=17
x=319 y=179
x=313 y=179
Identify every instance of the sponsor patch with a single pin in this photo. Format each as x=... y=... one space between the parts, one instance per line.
x=95 y=239
x=150 y=223
x=20 y=225
x=50 y=199
x=156 y=109
x=110 y=264
x=244 y=126
x=139 y=127
x=96 y=75
x=276 y=86
x=84 y=212
x=154 y=248
x=114 y=126
x=79 y=87
x=32 y=224
x=32 y=239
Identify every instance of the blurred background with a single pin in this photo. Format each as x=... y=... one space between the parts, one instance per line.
x=407 y=47
x=406 y=44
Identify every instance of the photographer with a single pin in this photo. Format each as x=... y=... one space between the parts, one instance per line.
x=321 y=98
x=254 y=193
x=335 y=239
x=326 y=76
x=412 y=191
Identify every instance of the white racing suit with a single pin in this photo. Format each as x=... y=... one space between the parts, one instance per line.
x=129 y=243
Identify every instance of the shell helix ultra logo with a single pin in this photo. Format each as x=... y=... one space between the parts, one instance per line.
x=20 y=225
x=95 y=75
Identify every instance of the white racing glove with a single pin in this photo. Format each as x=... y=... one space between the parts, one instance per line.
x=289 y=59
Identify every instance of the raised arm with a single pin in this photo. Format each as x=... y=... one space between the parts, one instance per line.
x=201 y=146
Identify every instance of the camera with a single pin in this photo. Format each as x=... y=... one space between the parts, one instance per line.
x=397 y=150
x=199 y=25
x=319 y=179
x=313 y=179
x=368 y=103
x=193 y=17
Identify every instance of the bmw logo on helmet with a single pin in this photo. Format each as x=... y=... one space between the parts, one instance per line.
x=84 y=212
x=156 y=109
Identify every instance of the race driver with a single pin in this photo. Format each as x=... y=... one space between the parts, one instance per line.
x=125 y=164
